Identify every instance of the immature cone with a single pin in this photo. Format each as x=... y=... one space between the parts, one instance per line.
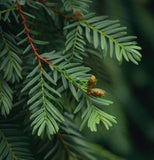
x=98 y=93
x=91 y=82
x=77 y=15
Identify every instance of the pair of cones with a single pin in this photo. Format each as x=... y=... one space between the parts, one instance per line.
x=90 y=85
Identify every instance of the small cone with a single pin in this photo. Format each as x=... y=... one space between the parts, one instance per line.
x=98 y=93
x=91 y=82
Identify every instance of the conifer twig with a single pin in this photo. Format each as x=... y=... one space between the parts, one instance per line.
x=75 y=17
x=55 y=10
x=30 y=40
x=27 y=32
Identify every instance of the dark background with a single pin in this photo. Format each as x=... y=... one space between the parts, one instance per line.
x=129 y=86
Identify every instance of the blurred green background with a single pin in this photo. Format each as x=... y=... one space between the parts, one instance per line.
x=129 y=86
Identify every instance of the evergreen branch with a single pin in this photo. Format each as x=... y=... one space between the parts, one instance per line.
x=92 y=115
x=30 y=40
x=80 y=84
x=75 y=40
x=62 y=68
x=75 y=18
x=92 y=101
x=13 y=144
x=50 y=93
x=44 y=114
x=47 y=122
x=69 y=142
x=27 y=32
x=55 y=10
x=5 y=97
x=102 y=33
x=4 y=40
x=11 y=60
x=103 y=30
x=8 y=145
x=75 y=43
x=43 y=95
x=92 y=112
x=71 y=80
x=80 y=6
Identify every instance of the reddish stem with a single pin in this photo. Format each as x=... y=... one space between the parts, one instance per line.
x=57 y=11
x=27 y=31
x=30 y=40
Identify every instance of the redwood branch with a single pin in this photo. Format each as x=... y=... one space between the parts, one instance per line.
x=30 y=40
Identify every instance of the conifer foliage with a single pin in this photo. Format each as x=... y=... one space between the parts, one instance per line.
x=44 y=83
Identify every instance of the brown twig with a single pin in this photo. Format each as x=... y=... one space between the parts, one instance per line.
x=55 y=10
x=75 y=17
x=30 y=40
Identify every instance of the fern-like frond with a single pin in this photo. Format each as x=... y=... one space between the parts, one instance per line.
x=73 y=75
x=11 y=62
x=69 y=142
x=13 y=144
x=6 y=97
x=111 y=37
x=74 y=40
x=73 y=5
x=45 y=115
x=92 y=112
